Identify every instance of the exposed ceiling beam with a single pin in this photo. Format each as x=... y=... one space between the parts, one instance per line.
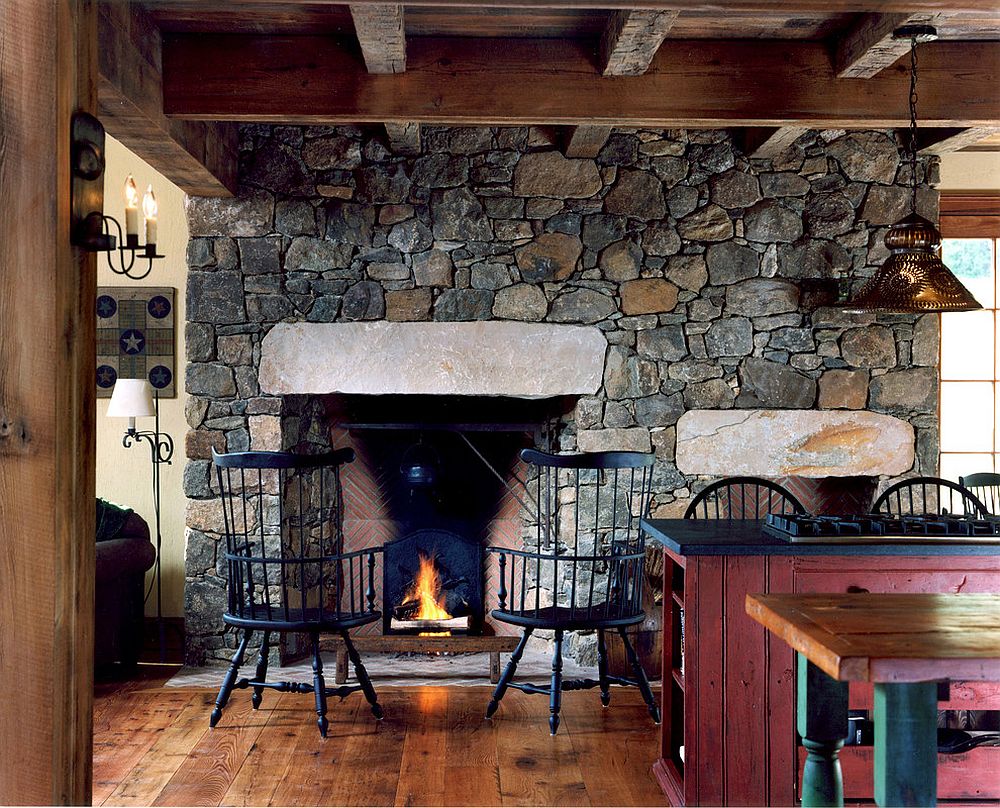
x=942 y=141
x=380 y=32
x=800 y=6
x=458 y=80
x=404 y=138
x=769 y=143
x=631 y=40
x=869 y=46
x=199 y=157
x=585 y=141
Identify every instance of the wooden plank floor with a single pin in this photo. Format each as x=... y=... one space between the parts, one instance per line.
x=152 y=746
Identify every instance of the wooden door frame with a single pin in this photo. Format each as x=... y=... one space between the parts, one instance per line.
x=47 y=409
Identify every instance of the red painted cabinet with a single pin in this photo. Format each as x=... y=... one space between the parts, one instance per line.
x=728 y=734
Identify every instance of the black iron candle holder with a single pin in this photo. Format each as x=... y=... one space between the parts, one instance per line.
x=128 y=249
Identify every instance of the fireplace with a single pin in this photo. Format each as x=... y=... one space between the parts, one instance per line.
x=434 y=491
x=433 y=584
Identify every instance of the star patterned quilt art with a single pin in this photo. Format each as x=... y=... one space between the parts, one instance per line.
x=135 y=337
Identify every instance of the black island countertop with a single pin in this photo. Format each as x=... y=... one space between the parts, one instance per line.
x=689 y=537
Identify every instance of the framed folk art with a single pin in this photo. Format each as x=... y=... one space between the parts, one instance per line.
x=135 y=337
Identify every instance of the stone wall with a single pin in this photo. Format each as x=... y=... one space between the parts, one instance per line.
x=709 y=274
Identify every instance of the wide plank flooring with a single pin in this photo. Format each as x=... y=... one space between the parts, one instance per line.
x=152 y=746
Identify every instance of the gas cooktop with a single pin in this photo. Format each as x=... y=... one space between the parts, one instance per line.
x=879 y=528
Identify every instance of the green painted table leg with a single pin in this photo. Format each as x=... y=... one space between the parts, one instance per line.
x=822 y=723
x=906 y=744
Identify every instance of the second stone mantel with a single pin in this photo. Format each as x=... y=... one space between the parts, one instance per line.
x=523 y=360
x=804 y=443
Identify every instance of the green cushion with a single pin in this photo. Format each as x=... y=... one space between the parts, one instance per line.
x=110 y=519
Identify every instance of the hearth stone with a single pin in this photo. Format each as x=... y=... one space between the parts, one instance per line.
x=481 y=358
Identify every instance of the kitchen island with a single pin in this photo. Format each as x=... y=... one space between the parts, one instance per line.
x=728 y=735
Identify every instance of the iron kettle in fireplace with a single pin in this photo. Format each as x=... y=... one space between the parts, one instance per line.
x=420 y=465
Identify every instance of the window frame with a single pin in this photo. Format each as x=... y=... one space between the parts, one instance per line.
x=973 y=215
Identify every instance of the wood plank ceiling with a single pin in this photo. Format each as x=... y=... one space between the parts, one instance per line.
x=767 y=68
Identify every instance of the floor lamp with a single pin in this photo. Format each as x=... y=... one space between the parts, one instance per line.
x=134 y=398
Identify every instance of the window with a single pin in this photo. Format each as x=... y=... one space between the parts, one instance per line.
x=970 y=364
x=970 y=341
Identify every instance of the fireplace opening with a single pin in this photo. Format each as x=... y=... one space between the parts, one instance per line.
x=433 y=584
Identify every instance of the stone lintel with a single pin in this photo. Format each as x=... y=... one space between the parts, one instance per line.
x=805 y=443
x=522 y=360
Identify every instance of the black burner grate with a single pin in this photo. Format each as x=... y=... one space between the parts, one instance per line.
x=796 y=527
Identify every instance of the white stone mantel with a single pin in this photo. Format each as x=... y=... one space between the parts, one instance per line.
x=482 y=358
x=804 y=443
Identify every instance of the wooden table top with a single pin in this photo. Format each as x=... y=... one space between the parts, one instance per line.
x=888 y=637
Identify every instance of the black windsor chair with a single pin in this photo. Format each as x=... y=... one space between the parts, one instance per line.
x=287 y=569
x=588 y=549
x=985 y=486
x=742 y=498
x=918 y=496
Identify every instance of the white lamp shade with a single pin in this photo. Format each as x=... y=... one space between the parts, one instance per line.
x=131 y=398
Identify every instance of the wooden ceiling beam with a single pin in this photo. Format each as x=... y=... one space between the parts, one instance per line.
x=199 y=157
x=380 y=32
x=790 y=6
x=767 y=143
x=585 y=141
x=942 y=141
x=631 y=40
x=869 y=47
x=471 y=81
x=404 y=138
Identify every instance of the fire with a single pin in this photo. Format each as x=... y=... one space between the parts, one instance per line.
x=426 y=590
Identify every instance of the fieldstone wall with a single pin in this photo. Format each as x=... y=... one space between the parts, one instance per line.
x=709 y=274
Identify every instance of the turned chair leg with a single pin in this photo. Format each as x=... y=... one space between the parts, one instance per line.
x=602 y=667
x=555 y=692
x=261 y=674
x=319 y=686
x=640 y=677
x=363 y=679
x=230 y=679
x=508 y=674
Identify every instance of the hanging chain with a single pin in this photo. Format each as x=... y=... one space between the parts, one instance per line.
x=913 y=123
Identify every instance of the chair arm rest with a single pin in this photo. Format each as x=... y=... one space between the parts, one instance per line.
x=119 y=557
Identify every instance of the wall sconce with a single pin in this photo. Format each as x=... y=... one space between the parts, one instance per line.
x=89 y=227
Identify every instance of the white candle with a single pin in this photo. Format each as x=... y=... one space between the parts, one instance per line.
x=149 y=211
x=131 y=207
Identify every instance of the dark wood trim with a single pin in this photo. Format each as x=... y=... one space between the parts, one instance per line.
x=970 y=204
x=200 y=157
x=457 y=80
x=970 y=215
x=47 y=410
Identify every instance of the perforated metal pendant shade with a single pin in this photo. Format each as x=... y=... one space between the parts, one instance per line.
x=913 y=277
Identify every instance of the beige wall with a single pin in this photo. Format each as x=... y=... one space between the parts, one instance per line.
x=124 y=475
x=970 y=171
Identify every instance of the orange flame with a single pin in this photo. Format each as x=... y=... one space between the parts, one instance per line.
x=426 y=590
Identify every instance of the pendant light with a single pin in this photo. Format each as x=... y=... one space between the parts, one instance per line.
x=913 y=277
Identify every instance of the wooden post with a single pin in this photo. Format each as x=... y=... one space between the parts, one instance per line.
x=47 y=409
x=822 y=723
x=906 y=743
